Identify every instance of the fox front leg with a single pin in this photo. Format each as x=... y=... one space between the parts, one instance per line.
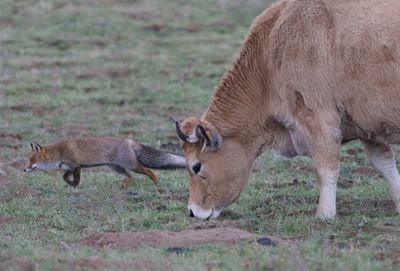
x=76 y=173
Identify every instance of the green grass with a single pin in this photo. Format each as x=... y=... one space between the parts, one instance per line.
x=109 y=67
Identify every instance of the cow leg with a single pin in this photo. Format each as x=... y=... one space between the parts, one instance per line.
x=323 y=144
x=327 y=170
x=382 y=158
x=324 y=150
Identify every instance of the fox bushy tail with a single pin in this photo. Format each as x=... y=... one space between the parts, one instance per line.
x=156 y=159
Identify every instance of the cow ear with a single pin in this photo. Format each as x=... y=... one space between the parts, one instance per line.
x=195 y=131
x=209 y=135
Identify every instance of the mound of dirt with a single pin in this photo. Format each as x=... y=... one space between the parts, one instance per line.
x=5 y=219
x=166 y=239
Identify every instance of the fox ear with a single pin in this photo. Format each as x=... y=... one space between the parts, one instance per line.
x=31 y=146
x=36 y=147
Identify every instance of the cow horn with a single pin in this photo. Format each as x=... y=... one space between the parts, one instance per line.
x=188 y=139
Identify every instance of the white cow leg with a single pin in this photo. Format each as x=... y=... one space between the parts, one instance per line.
x=382 y=158
x=327 y=177
x=325 y=150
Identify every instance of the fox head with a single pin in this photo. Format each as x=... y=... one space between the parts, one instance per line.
x=37 y=157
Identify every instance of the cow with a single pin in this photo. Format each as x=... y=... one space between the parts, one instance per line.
x=310 y=76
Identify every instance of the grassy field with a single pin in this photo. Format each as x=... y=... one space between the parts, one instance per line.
x=121 y=67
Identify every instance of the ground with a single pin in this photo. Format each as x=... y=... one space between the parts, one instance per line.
x=118 y=67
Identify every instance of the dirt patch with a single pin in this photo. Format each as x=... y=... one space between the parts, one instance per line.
x=154 y=27
x=369 y=207
x=17 y=264
x=385 y=229
x=16 y=136
x=5 y=219
x=110 y=73
x=143 y=264
x=2 y=179
x=22 y=191
x=393 y=256
x=75 y=130
x=354 y=151
x=366 y=171
x=346 y=183
x=201 y=225
x=166 y=239
x=304 y=169
x=97 y=263
x=93 y=263
x=8 y=167
x=18 y=164
x=82 y=206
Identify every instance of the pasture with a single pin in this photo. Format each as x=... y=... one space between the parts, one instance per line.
x=121 y=67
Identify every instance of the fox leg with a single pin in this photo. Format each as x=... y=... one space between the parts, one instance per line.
x=77 y=176
x=127 y=180
x=76 y=173
x=66 y=177
x=141 y=169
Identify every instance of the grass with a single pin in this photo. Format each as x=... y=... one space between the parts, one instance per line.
x=111 y=67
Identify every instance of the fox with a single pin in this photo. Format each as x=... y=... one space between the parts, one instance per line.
x=120 y=154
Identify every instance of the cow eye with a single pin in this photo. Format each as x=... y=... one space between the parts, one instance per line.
x=196 y=168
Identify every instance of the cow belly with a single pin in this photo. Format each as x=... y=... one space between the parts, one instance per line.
x=382 y=132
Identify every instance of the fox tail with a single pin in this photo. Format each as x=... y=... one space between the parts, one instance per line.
x=156 y=159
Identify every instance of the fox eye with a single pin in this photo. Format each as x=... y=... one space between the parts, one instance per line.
x=196 y=168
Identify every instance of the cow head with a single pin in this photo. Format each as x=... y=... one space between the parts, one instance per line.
x=218 y=167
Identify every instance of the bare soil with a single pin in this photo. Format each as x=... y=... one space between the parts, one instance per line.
x=166 y=239
x=366 y=171
x=5 y=219
x=17 y=264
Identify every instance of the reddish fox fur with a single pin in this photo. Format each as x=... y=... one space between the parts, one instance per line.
x=120 y=154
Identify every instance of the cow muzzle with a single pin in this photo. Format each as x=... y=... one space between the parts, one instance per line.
x=196 y=211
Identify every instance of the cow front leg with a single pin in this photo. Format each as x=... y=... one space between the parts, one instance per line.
x=382 y=158
x=324 y=150
x=323 y=144
x=320 y=130
x=327 y=173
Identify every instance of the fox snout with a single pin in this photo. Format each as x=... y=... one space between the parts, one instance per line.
x=30 y=168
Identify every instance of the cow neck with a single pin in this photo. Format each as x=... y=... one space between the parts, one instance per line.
x=236 y=108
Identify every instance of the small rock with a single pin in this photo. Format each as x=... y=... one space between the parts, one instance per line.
x=130 y=193
x=265 y=241
x=176 y=250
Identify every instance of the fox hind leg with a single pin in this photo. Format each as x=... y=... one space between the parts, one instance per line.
x=120 y=170
x=142 y=169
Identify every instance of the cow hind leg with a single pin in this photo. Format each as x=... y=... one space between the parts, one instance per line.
x=382 y=158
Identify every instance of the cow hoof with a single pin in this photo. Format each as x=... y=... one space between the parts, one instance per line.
x=325 y=216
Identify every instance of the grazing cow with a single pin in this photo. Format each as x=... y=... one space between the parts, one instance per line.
x=310 y=76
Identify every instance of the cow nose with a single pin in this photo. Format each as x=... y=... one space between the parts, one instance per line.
x=191 y=213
